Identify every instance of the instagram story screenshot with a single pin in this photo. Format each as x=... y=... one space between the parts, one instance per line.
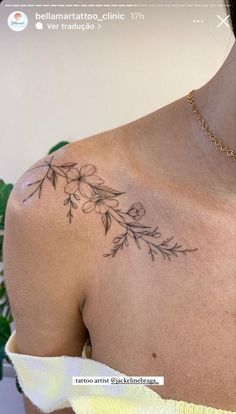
x=118 y=207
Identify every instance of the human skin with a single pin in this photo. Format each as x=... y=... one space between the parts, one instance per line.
x=175 y=318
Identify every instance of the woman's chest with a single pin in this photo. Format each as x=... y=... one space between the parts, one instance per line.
x=175 y=318
x=183 y=330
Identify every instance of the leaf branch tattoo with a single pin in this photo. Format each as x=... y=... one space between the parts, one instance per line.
x=103 y=200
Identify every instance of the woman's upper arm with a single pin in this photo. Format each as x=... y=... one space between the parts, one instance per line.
x=44 y=277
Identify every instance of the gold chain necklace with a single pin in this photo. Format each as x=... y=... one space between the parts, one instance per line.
x=207 y=131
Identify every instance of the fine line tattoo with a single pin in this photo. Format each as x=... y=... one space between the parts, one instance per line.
x=103 y=200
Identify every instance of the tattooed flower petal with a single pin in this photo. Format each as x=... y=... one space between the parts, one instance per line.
x=138 y=206
x=88 y=206
x=72 y=174
x=132 y=212
x=111 y=202
x=87 y=169
x=71 y=187
x=136 y=218
x=85 y=189
x=93 y=180
x=101 y=207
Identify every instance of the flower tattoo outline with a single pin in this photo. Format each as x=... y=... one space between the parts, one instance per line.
x=103 y=200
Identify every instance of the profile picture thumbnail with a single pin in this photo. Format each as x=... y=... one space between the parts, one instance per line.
x=17 y=21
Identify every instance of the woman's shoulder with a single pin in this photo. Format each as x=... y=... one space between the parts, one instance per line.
x=56 y=184
x=58 y=181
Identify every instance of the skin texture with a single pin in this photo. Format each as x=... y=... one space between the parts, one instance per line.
x=173 y=318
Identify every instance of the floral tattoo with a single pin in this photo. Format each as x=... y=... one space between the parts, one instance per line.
x=103 y=200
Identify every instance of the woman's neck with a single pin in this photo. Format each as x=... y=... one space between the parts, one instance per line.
x=216 y=101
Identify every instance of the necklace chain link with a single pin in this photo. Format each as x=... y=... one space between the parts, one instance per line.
x=207 y=131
